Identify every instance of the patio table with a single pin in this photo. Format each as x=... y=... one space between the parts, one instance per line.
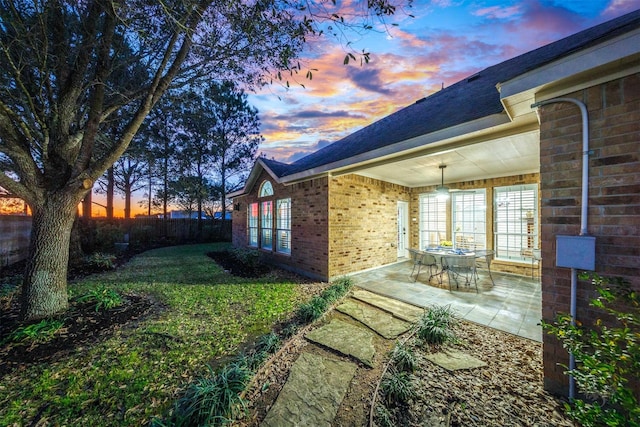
x=440 y=253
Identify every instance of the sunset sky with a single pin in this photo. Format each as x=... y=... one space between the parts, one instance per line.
x=446 y=41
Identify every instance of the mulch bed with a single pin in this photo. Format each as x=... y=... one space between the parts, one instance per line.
x=83 y=326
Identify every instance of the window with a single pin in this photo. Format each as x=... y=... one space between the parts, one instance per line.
x=266 y=224
x=433 y=220
x=253 y=224
x=515 y=221
x=266 y=189
x=468 y=212
x=283 y=226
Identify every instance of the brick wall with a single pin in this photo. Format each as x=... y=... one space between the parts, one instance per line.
x=514 y=267
x=363 y=216
x=614 y=198
x=309 y=229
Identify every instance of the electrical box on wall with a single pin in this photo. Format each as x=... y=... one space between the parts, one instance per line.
x=576 y=252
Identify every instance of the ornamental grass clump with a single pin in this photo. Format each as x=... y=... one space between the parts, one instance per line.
x=435 y=325
x=102 y=297
x=396 y=387
x=403 y=358
x=213 y=400
x=318 y=305
x=607 y=355
x=40 y=332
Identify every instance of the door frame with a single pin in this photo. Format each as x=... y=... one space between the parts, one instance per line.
x=403 y=229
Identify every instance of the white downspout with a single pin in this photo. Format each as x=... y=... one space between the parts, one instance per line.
x=583 y=214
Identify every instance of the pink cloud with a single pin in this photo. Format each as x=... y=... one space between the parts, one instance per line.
x=497 y=12
x=620 y=7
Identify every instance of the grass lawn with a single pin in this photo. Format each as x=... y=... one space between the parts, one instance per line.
x=138 y=372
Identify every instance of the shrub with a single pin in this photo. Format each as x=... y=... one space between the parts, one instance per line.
x=42 y=331
x=435 y=325
x=403 y=358
x=607 y=356
x=106 y=236
x=214 y=400
x=248 y=257
x=100 y=261
x=397 y=387
x=104 y=298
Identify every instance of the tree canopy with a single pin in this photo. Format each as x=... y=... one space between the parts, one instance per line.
x=70 y=68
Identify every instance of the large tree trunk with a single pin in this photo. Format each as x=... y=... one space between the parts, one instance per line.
x=44 y=290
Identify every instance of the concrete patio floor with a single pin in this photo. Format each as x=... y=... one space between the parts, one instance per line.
x=513 y=305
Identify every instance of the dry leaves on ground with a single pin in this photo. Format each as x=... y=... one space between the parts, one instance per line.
x=507 y=392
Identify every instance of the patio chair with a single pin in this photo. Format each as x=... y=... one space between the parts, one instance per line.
x=536 y=257
x=487 y=256
x=419 y=259
x=458 y=265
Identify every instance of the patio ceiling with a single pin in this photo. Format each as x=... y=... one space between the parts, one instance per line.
x=506 y=156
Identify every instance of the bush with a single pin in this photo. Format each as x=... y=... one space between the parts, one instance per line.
x=607 y=356
x=247 y=257
x=100 y=261
x=435 y=325
x=106 y=236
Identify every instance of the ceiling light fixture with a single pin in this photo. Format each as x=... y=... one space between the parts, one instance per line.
x=441 y=190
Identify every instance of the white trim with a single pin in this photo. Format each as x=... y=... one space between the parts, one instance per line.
x=621 y=54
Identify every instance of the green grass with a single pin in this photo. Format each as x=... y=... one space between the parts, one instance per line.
x=139 y=372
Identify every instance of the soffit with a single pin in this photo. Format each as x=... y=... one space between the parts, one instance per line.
x=505 y=156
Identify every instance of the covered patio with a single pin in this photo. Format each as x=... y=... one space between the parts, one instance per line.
x=513 y=305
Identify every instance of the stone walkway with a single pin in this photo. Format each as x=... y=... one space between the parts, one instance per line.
x=316 y=385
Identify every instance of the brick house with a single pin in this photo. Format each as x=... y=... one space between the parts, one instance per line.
x=513 y=174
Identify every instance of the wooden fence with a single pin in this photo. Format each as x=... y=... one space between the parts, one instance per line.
x=15 y=231
x=175 y=230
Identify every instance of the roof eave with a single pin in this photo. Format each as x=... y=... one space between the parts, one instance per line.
x=436 y=139
x=253 y=176
x=606 y=61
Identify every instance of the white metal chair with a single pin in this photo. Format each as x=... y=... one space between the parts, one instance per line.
x=487 y=256
x=419 y=259
x=536 y=257
x=458 y=265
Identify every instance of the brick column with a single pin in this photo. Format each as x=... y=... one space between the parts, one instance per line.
x=614 y=199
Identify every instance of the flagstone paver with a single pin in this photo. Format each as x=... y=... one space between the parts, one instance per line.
x=380 y=321
x=312 y=394
x=399 y=309
x=454 y=360
x=348 y=339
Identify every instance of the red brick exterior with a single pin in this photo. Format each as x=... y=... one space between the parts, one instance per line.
x=309 y=224
x=614 y=199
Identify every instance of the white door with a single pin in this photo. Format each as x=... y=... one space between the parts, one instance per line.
x=403 y=229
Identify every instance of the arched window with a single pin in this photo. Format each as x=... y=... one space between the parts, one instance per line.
x=266 y=189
